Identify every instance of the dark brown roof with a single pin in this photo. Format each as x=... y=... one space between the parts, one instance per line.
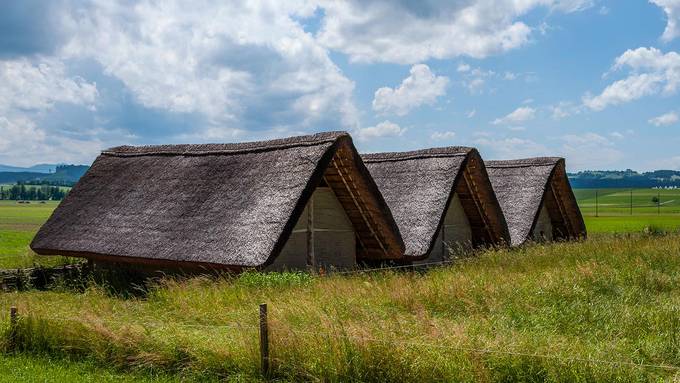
x=521 y=187
x=213 y=204
x=418 y=187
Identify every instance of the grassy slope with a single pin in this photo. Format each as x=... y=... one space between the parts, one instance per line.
x=611 y=299
x=18 y=225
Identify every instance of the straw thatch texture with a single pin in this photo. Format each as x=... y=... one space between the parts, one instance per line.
x=524 y=186
x=418 y=187
x=214 y=205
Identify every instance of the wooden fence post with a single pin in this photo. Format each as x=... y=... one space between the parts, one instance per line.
x=264 y=340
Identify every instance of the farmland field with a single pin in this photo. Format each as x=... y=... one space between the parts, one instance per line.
x=18 y=225
x=613 y=209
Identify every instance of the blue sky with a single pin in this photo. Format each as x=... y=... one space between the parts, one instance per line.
x=594 y=81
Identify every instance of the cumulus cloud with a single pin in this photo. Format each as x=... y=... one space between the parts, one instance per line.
x=380 y=130
x=519 y=115
x=420 y=87
x=408 y=32
x=672 y=10
x=29 y=86
x=443 y=136
x=29 y=91
x=652 y=72
x=199 y=58
x=669 y=118
x=203 y=71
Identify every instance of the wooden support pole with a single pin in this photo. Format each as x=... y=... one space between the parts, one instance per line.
x=264 y=340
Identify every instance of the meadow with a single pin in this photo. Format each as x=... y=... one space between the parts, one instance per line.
x=613 y=212
x=18 y=225
x=605 y=309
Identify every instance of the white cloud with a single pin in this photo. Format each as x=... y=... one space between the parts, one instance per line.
x=563 y=109
x=672 y=10
x=442 y=136
x=617 y=135
x=226 y=70
x=23 y=143
x=669 y=118
x=38 y=87
x=462 y=67
x=589 y=150
x=510 y=148
x=521 y=114
x=411 y=32
x=652 y=72
x=420 y=87
x=199 y=58
x=672 y=163
x=471 y=113
x=29 y=91
x=380 y=130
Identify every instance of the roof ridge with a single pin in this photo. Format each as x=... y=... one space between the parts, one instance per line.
x=448 y=151
x=523 y=162
x=226 y=148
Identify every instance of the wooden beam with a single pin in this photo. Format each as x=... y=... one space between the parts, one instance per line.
x=356 y=202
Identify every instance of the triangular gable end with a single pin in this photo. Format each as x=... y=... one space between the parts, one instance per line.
x=472 y=213
x=425 y=188
x=343 y=187
x=559 y=203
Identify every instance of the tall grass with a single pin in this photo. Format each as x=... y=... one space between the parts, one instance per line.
x=600 y=310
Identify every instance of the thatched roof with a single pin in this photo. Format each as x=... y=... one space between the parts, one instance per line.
x=419 y=185
x=215 y=205
x=524 y=186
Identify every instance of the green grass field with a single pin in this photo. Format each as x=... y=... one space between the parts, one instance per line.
x=32 y=368
x=618 y=201
x=18 y=225
x=614 y=213
x=606 y=309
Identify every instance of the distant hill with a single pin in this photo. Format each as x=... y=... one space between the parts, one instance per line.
x=591 y=179
x=39 y=168
x=62 y=175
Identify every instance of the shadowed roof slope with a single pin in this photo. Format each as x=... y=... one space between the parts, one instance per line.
x=419 y=185
x=522 y=187
x=217 y=205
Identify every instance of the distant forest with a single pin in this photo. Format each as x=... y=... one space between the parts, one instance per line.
x=601 y=179
x=22 y=192
x=64 y=175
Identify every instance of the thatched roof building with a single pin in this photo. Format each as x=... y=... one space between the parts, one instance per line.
x=537 y=199
x=284 y=203
x=440 y=198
